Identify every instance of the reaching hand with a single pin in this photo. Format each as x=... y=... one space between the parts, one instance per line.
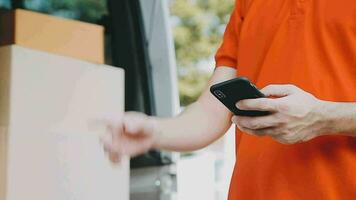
x=129 y=135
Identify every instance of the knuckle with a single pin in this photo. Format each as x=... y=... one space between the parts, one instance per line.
x=283 y=107
x=281 y=123
x=253 y=125
x=288 y=142
x=306 y=139
x=244 y=130
x=269 y=104
x=287 y=133
x=261 y=133
x=282 y=141
x=262 y=103
x=291 y=139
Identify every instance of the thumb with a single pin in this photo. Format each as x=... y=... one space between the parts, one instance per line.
x=279 y=90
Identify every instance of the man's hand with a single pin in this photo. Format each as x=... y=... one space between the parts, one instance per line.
x=129 y=135
x=296 y=115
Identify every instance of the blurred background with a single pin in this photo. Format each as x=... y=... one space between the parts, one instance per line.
x=167 y=49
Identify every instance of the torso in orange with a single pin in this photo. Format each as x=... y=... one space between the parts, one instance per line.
x=311 y=44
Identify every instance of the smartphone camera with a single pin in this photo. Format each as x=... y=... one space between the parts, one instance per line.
x=219 y=94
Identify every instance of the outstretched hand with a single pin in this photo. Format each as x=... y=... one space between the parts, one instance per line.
x=129 y=135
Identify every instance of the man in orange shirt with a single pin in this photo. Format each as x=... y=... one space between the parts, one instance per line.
x=303 y=54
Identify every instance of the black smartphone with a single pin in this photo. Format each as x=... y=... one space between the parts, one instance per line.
x=231 y=91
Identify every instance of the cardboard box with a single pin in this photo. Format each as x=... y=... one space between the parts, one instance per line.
x=52 y=34
x=47 y=149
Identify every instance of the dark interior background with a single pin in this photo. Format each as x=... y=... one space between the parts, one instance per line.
x=125 y=46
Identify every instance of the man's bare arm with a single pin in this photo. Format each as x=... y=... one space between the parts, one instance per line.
x=199 y=125
x=340 y=117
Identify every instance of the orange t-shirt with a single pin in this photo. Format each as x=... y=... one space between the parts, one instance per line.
x=311 y=44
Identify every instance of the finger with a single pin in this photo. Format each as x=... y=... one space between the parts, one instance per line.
x=282 y=140
x=115 y=130
x=113 y=151
x=115 y=158
x=270 y=121
x=261 y=104
x=105 y=124
x=106 y=139
x=104 y=120
x=279 y=90
x=260 y=132
x=109 y=145
x=287 y=139
x=106 y=149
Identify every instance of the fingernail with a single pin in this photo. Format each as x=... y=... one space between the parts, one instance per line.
x=237 y=105
x=115 y=158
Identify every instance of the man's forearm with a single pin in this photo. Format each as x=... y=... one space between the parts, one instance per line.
x=340 y=118
x=200 y=124
x=195 y=128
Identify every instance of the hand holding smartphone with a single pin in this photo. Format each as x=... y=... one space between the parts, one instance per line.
x=231 y=91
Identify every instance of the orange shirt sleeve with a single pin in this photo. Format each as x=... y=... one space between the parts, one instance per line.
x=227 y=53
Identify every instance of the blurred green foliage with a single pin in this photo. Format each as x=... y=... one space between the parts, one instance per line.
x=191 y=85
x=84 y=10
x=198 y=29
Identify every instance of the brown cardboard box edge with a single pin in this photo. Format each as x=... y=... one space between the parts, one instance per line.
x=5 y=76
x=52 y=34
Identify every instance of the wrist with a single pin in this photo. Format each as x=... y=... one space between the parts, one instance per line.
x=329 y=118
x=156 y=132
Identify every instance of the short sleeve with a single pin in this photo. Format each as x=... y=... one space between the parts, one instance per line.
x=227 y=53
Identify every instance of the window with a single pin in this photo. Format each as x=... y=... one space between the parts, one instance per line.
x=85 y=10
x=5 y=4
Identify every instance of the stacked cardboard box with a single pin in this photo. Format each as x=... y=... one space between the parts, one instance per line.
x=49 y=92
x=52 y=34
